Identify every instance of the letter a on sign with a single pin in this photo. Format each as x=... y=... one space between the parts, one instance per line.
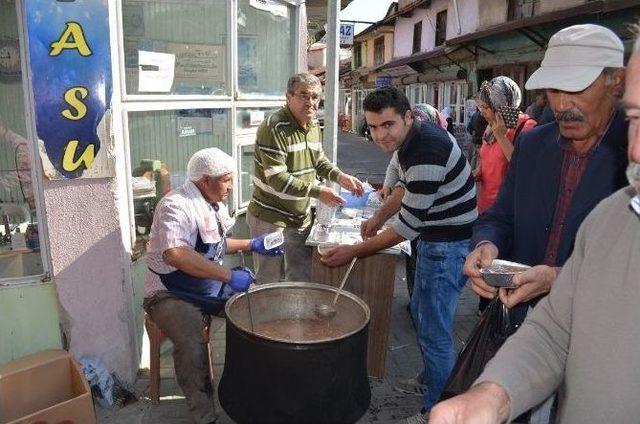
x=71 y=38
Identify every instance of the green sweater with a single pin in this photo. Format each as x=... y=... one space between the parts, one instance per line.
x=287 y=160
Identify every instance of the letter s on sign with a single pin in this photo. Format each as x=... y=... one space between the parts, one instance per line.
x=71 y=97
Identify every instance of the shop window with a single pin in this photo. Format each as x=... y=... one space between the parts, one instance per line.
x=160 y=144
x=266 y=47
x=19 y=240
x=175 y=47
x=441 y=28
x=417 y=37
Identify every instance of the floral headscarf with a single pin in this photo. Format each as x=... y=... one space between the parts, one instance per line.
x=500 y=91
x=426 y=112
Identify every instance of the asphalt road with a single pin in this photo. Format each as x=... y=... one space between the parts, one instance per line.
x=362 y=158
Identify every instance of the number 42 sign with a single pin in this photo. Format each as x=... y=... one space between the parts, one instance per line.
x=346 y=34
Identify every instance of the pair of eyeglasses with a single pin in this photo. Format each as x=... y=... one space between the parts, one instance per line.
x=313 y=98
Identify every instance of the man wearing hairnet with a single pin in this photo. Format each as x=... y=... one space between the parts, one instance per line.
x=186 y=283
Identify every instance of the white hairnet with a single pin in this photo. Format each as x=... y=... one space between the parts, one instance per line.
x=212 y=161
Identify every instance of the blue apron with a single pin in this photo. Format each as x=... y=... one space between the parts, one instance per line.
x=208 y=295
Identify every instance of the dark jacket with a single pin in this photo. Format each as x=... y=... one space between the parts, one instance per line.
x=477 y=125
x=520 y=220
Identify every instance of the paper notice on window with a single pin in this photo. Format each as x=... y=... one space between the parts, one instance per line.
x=155 y=71
x=271 y=6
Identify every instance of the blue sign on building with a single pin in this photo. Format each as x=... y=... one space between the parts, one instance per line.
x=71 y=76
x=382 y=82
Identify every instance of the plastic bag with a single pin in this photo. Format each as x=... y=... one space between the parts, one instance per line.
x=99 y=379
x=491 y=331
x=107 y=389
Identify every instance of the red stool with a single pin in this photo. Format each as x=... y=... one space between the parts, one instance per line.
x=155 y=341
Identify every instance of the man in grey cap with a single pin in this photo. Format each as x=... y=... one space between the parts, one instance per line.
x=559 y=171
x=583 y=339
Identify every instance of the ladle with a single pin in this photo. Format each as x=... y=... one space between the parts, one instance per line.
x=322 y=310
x=247 y=294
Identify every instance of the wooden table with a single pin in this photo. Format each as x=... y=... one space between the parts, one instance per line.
x=372 y=279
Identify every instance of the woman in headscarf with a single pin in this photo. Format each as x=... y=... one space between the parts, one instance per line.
x=498 y=140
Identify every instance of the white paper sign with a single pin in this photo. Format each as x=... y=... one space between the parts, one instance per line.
x=271 y=6
x=155 y=71
x=256 y=117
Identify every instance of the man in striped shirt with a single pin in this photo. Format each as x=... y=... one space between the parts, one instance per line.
x=288 y=157
x=439 y=207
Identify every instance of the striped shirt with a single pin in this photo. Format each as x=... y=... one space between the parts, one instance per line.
x=439 y=202
x=287 y=160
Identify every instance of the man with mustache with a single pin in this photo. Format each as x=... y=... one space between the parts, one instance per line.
x=559 y=171
x=288 y=157
x=583 y=339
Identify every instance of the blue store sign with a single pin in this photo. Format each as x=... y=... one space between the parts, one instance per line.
x=71 y=78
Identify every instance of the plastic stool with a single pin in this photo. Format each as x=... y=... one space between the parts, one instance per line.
x=155 y=341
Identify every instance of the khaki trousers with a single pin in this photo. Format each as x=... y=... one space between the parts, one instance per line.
x=295 y=265
x=183 y=323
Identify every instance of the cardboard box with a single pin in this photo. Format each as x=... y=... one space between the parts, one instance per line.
x=47 y=387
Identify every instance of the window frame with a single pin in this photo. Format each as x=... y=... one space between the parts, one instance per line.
x=441 y=28
x=357 y=55
x=158 y=102
x=417 y=37
x=36 y=164
x=378 y=57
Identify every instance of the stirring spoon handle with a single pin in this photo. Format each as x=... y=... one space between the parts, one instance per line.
x=344 y=280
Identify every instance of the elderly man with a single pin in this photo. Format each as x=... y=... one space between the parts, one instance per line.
x=186 y=282
x=558 y=172
x=439 y=208
x=288 y=157
x=583 y=338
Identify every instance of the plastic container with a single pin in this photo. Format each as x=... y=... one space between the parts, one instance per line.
x=353 y=201
x=274 y=239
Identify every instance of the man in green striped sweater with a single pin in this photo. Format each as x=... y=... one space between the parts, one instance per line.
x=288 y=157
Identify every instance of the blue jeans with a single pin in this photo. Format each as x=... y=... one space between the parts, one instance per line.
x=438 y=283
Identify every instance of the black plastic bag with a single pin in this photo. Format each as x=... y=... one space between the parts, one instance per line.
x=491 y=331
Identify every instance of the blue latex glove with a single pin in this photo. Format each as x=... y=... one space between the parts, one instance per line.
x=257 y=245
x=241 y=279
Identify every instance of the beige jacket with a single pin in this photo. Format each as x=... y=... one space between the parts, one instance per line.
x=584 y=338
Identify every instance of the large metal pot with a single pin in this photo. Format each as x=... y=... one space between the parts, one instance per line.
x=295 y=368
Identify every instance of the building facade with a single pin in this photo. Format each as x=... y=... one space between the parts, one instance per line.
x=444 y=49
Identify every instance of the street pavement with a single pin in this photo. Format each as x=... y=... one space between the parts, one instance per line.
x=357 y=157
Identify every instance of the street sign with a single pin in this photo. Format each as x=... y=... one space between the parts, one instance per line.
x=346 y=34
x=382 y=82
